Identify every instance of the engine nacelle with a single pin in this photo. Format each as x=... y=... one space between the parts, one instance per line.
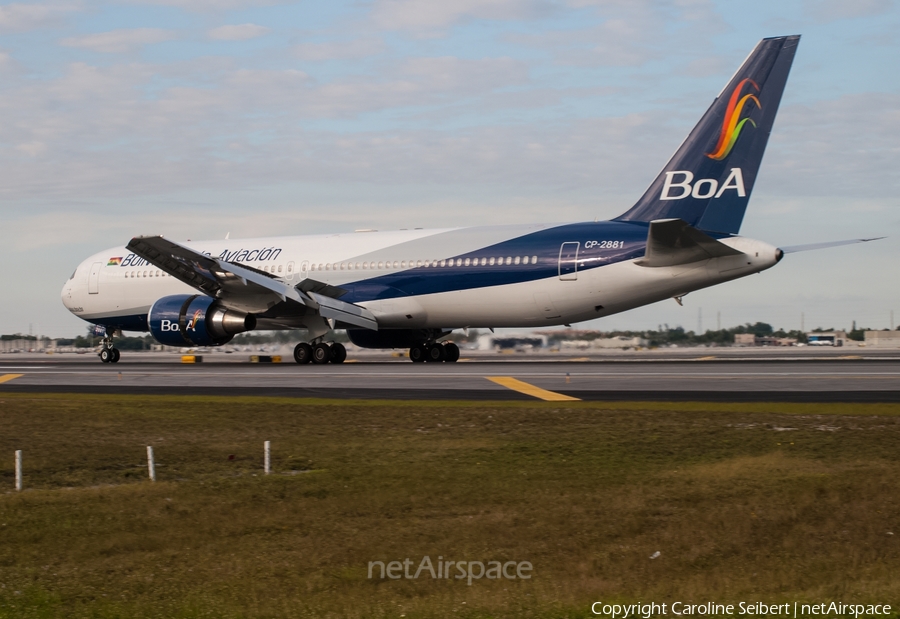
x=196 y=320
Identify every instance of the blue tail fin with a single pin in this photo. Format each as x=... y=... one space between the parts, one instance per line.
x=708 y=181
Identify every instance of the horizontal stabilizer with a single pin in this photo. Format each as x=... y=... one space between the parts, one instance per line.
x=795 y=248
x=671 y=242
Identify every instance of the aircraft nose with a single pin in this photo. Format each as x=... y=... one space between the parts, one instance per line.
x=68 y=291
x=778 y=255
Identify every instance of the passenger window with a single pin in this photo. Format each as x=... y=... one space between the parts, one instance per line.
x=491 y=262
x=518 y=260
x=380 y=265
x=508 y=260
x=534 y=260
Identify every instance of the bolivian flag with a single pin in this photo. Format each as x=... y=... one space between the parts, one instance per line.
x=114 y=262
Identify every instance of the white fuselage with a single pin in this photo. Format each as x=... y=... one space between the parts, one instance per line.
x=411 y=279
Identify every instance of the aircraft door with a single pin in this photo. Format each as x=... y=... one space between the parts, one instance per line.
x=568 y=261
x=94 y=278
x=290 y=271
x=304 y=269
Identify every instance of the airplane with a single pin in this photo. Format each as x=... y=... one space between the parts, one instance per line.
x=411 y=288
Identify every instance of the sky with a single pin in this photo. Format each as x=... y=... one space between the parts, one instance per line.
x=198 y=118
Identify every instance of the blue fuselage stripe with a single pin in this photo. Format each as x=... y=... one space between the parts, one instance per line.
x=599 y=244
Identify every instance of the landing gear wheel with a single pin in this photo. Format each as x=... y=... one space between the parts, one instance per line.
x=303 y=353
x=116 y=355
x=435 y=354
x=106 y=355
x=338 y=353
x=452 y=351
x=417 y=353
x=321 y=353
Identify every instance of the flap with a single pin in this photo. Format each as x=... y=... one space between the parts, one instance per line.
x=671 y=242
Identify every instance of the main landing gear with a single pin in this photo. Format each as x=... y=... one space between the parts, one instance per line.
x=320 y=353
x=434 y=353
x=109 y=354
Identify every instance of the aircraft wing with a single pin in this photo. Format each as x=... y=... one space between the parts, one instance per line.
x=671 y=242
x=243 y=287
x=795 y=248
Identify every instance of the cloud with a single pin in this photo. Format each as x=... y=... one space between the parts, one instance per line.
x=239 y=32
x=340 y=50
x=842 y=147
x=424 y=18
x=619 y=33
x=833 y=10
x=119 y=41
x=203 y=6
x=19 y=17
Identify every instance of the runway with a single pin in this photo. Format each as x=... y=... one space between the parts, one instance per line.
x=674 y=375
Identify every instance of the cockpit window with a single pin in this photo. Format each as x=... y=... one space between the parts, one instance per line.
x=73 y=274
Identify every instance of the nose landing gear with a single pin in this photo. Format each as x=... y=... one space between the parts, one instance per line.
x=109 y=353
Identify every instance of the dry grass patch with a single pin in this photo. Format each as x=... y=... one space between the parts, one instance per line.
x=739 y=506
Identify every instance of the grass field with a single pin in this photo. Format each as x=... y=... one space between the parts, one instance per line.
x=743 y=502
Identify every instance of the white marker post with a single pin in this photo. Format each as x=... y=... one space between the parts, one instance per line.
x=267 y=457
x=151 y=465
x=18 y=470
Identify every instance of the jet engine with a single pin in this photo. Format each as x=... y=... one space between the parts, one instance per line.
x=196 y=320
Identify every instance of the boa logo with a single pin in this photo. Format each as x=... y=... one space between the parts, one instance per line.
x=682 y=182
x=170 y=326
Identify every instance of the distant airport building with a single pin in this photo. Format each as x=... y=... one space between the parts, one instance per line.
x=26 y=345
x=517 y=342
x=883 y=339
x=748 y=339
x=827 y=338
x=616 y=342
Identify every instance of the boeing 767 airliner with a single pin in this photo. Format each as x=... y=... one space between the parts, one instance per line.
x=410 y=288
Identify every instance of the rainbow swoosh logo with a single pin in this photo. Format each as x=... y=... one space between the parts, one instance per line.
x=114 y=262
x=733 y=123
x=193 y=323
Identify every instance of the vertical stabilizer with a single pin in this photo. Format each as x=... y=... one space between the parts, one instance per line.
x=708 y=181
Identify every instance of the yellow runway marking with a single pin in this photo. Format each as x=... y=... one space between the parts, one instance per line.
x=8 y=377
x=705 y=358
x=528 y=389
